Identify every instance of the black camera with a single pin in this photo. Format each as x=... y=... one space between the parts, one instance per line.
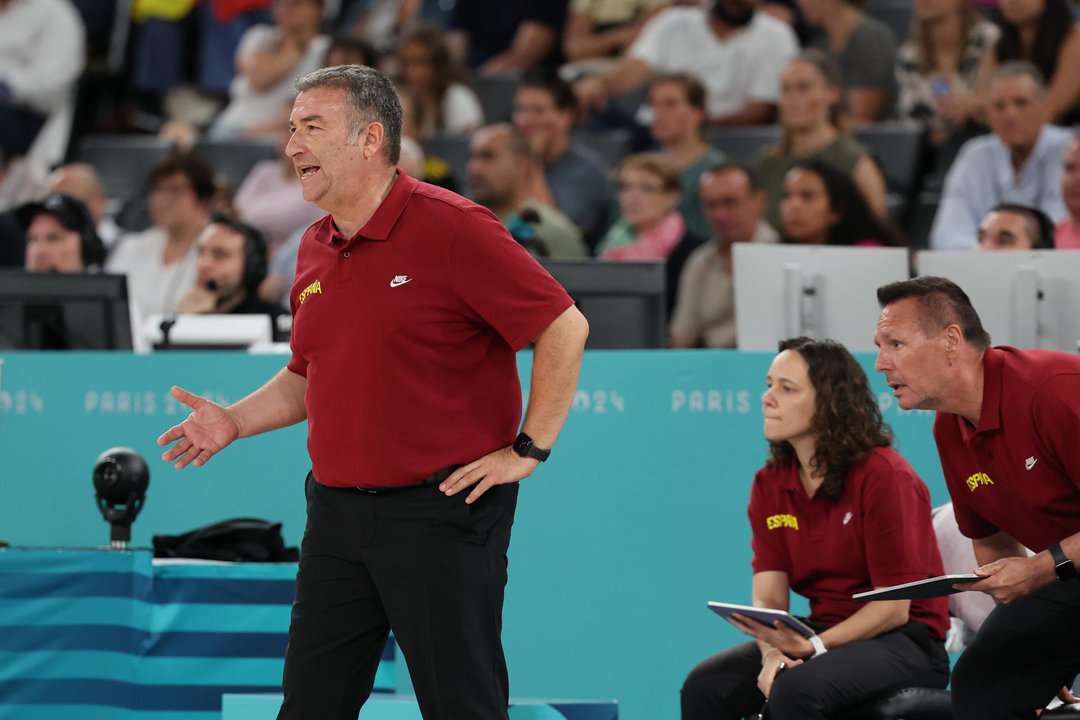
x=121 y=477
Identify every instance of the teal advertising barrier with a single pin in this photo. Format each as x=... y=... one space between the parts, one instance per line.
x=637 y=520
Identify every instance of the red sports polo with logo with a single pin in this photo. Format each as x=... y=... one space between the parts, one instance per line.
x=407 y=334
x=878 y=533
x=1019 y=470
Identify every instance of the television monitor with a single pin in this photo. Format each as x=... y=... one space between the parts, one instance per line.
x=1025 y=298
x=207 y=332
x=624 y=302
x=784 y=291
x=63 y=311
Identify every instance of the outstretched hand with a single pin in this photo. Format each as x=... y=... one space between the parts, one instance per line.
x=207 y=430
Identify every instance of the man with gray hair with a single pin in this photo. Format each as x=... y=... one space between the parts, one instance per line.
x=409 y=305
x=1020 y=162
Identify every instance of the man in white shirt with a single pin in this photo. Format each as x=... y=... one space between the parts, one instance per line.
x=82 y=181
x=1020 y=162
x=736 y=51
x=42 y=53
x=734 y=205
x=160 y=261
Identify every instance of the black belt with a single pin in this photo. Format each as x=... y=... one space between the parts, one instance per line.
x=433 y=479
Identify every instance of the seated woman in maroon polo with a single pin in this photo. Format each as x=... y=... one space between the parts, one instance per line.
x=834 y=512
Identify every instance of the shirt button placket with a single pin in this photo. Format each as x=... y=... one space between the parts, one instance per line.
x=344 y=275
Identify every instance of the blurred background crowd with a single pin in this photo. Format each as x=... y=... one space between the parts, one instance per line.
x=146 y=137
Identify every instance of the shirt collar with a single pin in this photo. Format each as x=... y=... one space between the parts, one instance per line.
x=386 y=215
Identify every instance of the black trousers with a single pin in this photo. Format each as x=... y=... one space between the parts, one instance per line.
x=724 y=686
x=428 y=566
x=1022 y=655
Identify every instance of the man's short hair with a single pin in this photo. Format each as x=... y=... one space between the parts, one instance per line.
x=1014 y=68
x=1037 y=224
x=736 y=166
x=198 y=172
x=941 y=303
x=559 y=90
x=692 y=87
x=516 y=141
x=370 y=97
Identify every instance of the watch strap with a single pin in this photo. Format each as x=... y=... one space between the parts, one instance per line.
x=525 y=447
x=819 y=645
x=1063 y=566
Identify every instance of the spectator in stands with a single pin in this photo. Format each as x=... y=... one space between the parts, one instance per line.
x=436 y=170
x=1019 y=163
x=650 y=226
x=502 y=176
x=270 y=197
x=42 y=53
x=1044 y=33
x=81 y=181
x=822 y=206
x=575 y=176
x=160 y=261
x=736 y=51
x=269 y=60
x=349 y=51
x=864 y=50
x=230 y=267
x=379 y=24
x=438 y=81
x=497 y=36
x=937 y=68
x=734 y=204
x=60 y=236
x=812 y=129
x=1067 y=232
x=598 y=31
x=1016 y=227
x=834 y=512
x=678 y=118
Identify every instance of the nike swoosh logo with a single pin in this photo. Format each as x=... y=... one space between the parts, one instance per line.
x=397 y=283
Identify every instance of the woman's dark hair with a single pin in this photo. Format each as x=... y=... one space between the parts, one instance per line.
x=1051 y=30
x=198 y=172
x=847 y=421
x=447 y=71
x=856 y=221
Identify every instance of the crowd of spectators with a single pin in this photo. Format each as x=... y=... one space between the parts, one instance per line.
x=518 y=104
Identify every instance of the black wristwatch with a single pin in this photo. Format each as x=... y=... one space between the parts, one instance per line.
x=524 y=446
x=1063 y=566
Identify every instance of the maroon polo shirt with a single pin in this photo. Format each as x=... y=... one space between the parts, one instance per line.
x=407 y=334
x=1019 y=470
x=878 y=533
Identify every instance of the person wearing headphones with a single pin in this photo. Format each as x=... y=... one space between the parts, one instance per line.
x=60 y=236
x=231 y=262
x=1010 y=226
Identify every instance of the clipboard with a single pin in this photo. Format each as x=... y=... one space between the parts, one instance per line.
x=919 y=589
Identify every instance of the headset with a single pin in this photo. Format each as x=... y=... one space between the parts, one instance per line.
x=255 y=262
x=65 y=209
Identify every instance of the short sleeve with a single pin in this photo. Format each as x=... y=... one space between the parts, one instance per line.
x=769 y=550
x=898 y=531
x=501 y=282
x=764 y=85
x=649 y=47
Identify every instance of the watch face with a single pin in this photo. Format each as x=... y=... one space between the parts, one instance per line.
x=523 y=444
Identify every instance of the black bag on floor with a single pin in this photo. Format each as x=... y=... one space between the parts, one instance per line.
x=235 y=540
